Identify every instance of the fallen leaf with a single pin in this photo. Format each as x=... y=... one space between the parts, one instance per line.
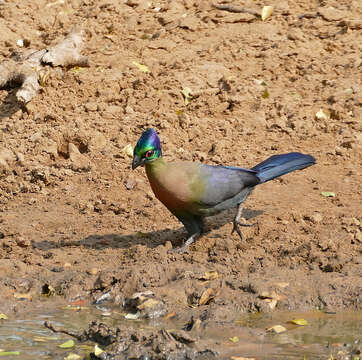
x=149 y=303
x=169 y=315
x=97 y=350
x=67 y=345
x=282 y=284
x=8 y=353
x=77 y=69
x=131 y=316
x=272 y=304
x=301 y=322
x=44 y=338
x=141 y=67
x=266 y=12
x=78 y=303
x=265 y=94
x=234 y=339
x=22 y=296
x=3 y=317
x=328 y=194
x=210 y=275
x=322 y=114
x=277 y=329
x=72 y=356
x=186 y=93
x=128 y=150
x=206 y=296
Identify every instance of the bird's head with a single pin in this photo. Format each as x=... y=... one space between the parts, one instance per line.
x=148 y=149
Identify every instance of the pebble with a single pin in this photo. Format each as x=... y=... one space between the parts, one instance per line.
x=91 y=106
x=20 y=157
x=79 y=161
x=316 y=218
x=93 y=271
x=22 y=242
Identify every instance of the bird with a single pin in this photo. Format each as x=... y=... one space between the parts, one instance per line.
x=192 y=191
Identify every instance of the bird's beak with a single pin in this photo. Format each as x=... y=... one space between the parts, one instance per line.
x=137 y=161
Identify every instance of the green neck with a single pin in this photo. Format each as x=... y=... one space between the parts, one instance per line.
x=155 y=165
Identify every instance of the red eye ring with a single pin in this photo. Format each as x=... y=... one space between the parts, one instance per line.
x=149 y=153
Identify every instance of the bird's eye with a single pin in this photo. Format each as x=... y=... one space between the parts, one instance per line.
x=149 y=153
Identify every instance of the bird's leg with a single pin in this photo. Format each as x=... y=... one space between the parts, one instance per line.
x=194 y=226
x=237 y=222
x=187 y=243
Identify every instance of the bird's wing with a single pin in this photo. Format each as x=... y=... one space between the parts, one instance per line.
x=223 y=182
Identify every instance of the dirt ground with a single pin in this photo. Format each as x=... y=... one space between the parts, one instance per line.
x=87 y=225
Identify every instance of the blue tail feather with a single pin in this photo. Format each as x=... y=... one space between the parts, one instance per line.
x=278 y=165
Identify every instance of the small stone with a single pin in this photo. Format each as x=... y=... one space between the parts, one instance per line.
x=168 y=245
x=91 y=106
x=93 y=271
x=67 y=265
x=316 y=218
x=36 y=137
x=98 y=142
x=22 y=242
x=79 y=161
x=131 y=184
x=331 y=14
x=20 y=157
x=338 y=150
x=6 y=155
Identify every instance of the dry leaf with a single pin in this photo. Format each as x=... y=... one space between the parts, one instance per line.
x=272 y=304
x=128 y=150
x=22 y=296
x=328 y=194
x=206 y=296
x=72 y=356
x=282 y=284
x=210 y=275
x=141 y=67
x=322 y=114
x=301 y=322
x=149 y=303
x=97 y=350
x=68 y=344
x=277 y=329
x=266 y=12
x=234 y=339
x=131 y=316
x=3 y=317
x=169 y=315
x=186 y=93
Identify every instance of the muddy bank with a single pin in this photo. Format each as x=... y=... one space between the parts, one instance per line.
x=76 y=224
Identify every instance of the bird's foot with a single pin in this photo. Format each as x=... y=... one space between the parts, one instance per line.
x=185 y=247
x=237 y=229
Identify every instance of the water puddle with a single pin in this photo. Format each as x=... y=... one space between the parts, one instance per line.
x=323 y=334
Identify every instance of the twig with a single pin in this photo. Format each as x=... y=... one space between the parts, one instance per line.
x=235 y=9
x=25 y=69
x=82 y=337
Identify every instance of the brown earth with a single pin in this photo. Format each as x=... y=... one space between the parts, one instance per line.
x=85 y=224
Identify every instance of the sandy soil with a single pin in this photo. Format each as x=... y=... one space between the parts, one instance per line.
x=85 y=224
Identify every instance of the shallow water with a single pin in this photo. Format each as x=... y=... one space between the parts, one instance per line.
x=323 y=334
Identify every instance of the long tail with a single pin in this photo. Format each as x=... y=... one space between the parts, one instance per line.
x=278 y=165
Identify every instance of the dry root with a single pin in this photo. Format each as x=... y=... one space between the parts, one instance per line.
x=25 y=70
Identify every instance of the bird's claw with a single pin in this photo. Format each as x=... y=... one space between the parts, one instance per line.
x=185 y=247
x=181 y=250
x=237 y=229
